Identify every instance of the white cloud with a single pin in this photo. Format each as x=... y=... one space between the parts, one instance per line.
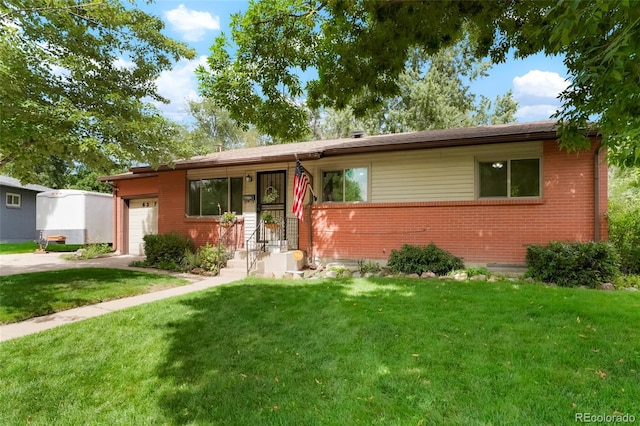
x=536 y=112
x=179 y=85
x=542 y=84
x=191 y=23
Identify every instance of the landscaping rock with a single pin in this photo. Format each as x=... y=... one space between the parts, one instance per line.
x=493 y=279
x=631 y=289
x=331 y=274
x=606 y=286
x=356 y=274
x=428 y=274
x=478 y=278
x=462 y=276
x=413 y=276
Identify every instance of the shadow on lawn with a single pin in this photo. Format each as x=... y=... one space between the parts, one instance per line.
x=282 y=353
x=36 y=294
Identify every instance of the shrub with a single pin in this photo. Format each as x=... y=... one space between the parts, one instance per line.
x=166 y=249
x=418 y=259
x=212 y=257
x=624 y=234
x=368 y=267
x=625 y=281
x=573 y=264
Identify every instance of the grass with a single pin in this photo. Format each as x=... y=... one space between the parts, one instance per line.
x=358 y=352
x=29 y=295
x=16 y=248
x=30 y=247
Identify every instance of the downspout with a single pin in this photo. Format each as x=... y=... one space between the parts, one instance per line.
x=596 y=192
x=114 y=191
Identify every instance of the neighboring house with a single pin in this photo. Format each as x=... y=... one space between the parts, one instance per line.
x=18 y=210
x=482 y=193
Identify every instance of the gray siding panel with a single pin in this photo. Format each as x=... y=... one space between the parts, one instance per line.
x=17 y=225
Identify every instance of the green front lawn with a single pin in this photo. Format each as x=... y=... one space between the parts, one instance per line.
x=30 y=247
x=24 y=296
x=342 y=352
x=15 y=248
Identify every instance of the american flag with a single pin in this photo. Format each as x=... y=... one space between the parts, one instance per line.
x=300 y=183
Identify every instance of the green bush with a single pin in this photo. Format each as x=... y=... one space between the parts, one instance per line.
x=625 y=281
x=166 y=249
x=573 y=264
x=213 y=257
x=368 y=267
x=208 y=257
x=418 y=259
x=624 y=234
x=62 y=248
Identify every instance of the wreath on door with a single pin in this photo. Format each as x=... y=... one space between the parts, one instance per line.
x=270 y=195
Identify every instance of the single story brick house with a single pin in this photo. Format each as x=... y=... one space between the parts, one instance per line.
x=482 y=193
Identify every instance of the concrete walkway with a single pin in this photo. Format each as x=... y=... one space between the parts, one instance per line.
x=21 y=263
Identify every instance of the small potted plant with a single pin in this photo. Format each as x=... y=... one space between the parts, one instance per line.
x=270 y=222
x=227 y=219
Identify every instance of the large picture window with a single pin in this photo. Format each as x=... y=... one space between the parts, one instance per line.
x=345 y=185
x=509 y=178
x=208 y=197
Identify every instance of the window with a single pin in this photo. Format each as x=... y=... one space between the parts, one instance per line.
x=13 y=200
x=510 y=178
x=208 y=197
x=345 y=185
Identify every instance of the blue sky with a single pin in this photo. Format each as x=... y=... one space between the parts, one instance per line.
x=535 y=81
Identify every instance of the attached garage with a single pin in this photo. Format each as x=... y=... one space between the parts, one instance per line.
x=143 y=220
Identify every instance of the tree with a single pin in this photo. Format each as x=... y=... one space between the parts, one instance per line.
x=434 y=93
x=624 y=216
x=77 y=79
x=359 y=49
x=213 y=129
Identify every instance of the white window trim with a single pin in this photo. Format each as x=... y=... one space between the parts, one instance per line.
x=336 y=168
x=228 y=178
x=508 y=160
x=10 y=196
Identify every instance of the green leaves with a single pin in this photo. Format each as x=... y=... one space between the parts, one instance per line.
x=77 y=82
x=360 y=49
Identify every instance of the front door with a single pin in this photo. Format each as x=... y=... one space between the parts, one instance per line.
x=272 y=199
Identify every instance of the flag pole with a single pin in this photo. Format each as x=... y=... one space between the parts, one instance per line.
x=308 y=184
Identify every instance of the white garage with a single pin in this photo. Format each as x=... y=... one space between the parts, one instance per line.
x=143 y=220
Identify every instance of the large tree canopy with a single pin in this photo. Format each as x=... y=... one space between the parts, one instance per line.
x=77 y=79
x=359 y=48
x=434 y=93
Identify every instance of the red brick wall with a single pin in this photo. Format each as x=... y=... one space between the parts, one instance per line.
x=172 y=191
x=172 y=212
x=479 y=231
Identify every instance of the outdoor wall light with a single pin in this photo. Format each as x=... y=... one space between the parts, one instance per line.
x=248 y=179
x=497 y=165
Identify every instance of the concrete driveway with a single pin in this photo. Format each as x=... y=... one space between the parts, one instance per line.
x=35 y=262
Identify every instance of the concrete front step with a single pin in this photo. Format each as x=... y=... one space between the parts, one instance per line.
x=233 y=272
x=237 y=264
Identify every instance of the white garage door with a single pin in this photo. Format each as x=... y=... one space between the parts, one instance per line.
x=143 y=220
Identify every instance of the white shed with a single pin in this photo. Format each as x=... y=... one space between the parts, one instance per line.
x=81 y=216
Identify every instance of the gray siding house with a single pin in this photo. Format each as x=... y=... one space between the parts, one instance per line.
x=18 y=210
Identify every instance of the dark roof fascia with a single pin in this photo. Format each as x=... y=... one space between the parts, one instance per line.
x=447 y=138
x=128 y=175
x=442 y=143
x=232 y=162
